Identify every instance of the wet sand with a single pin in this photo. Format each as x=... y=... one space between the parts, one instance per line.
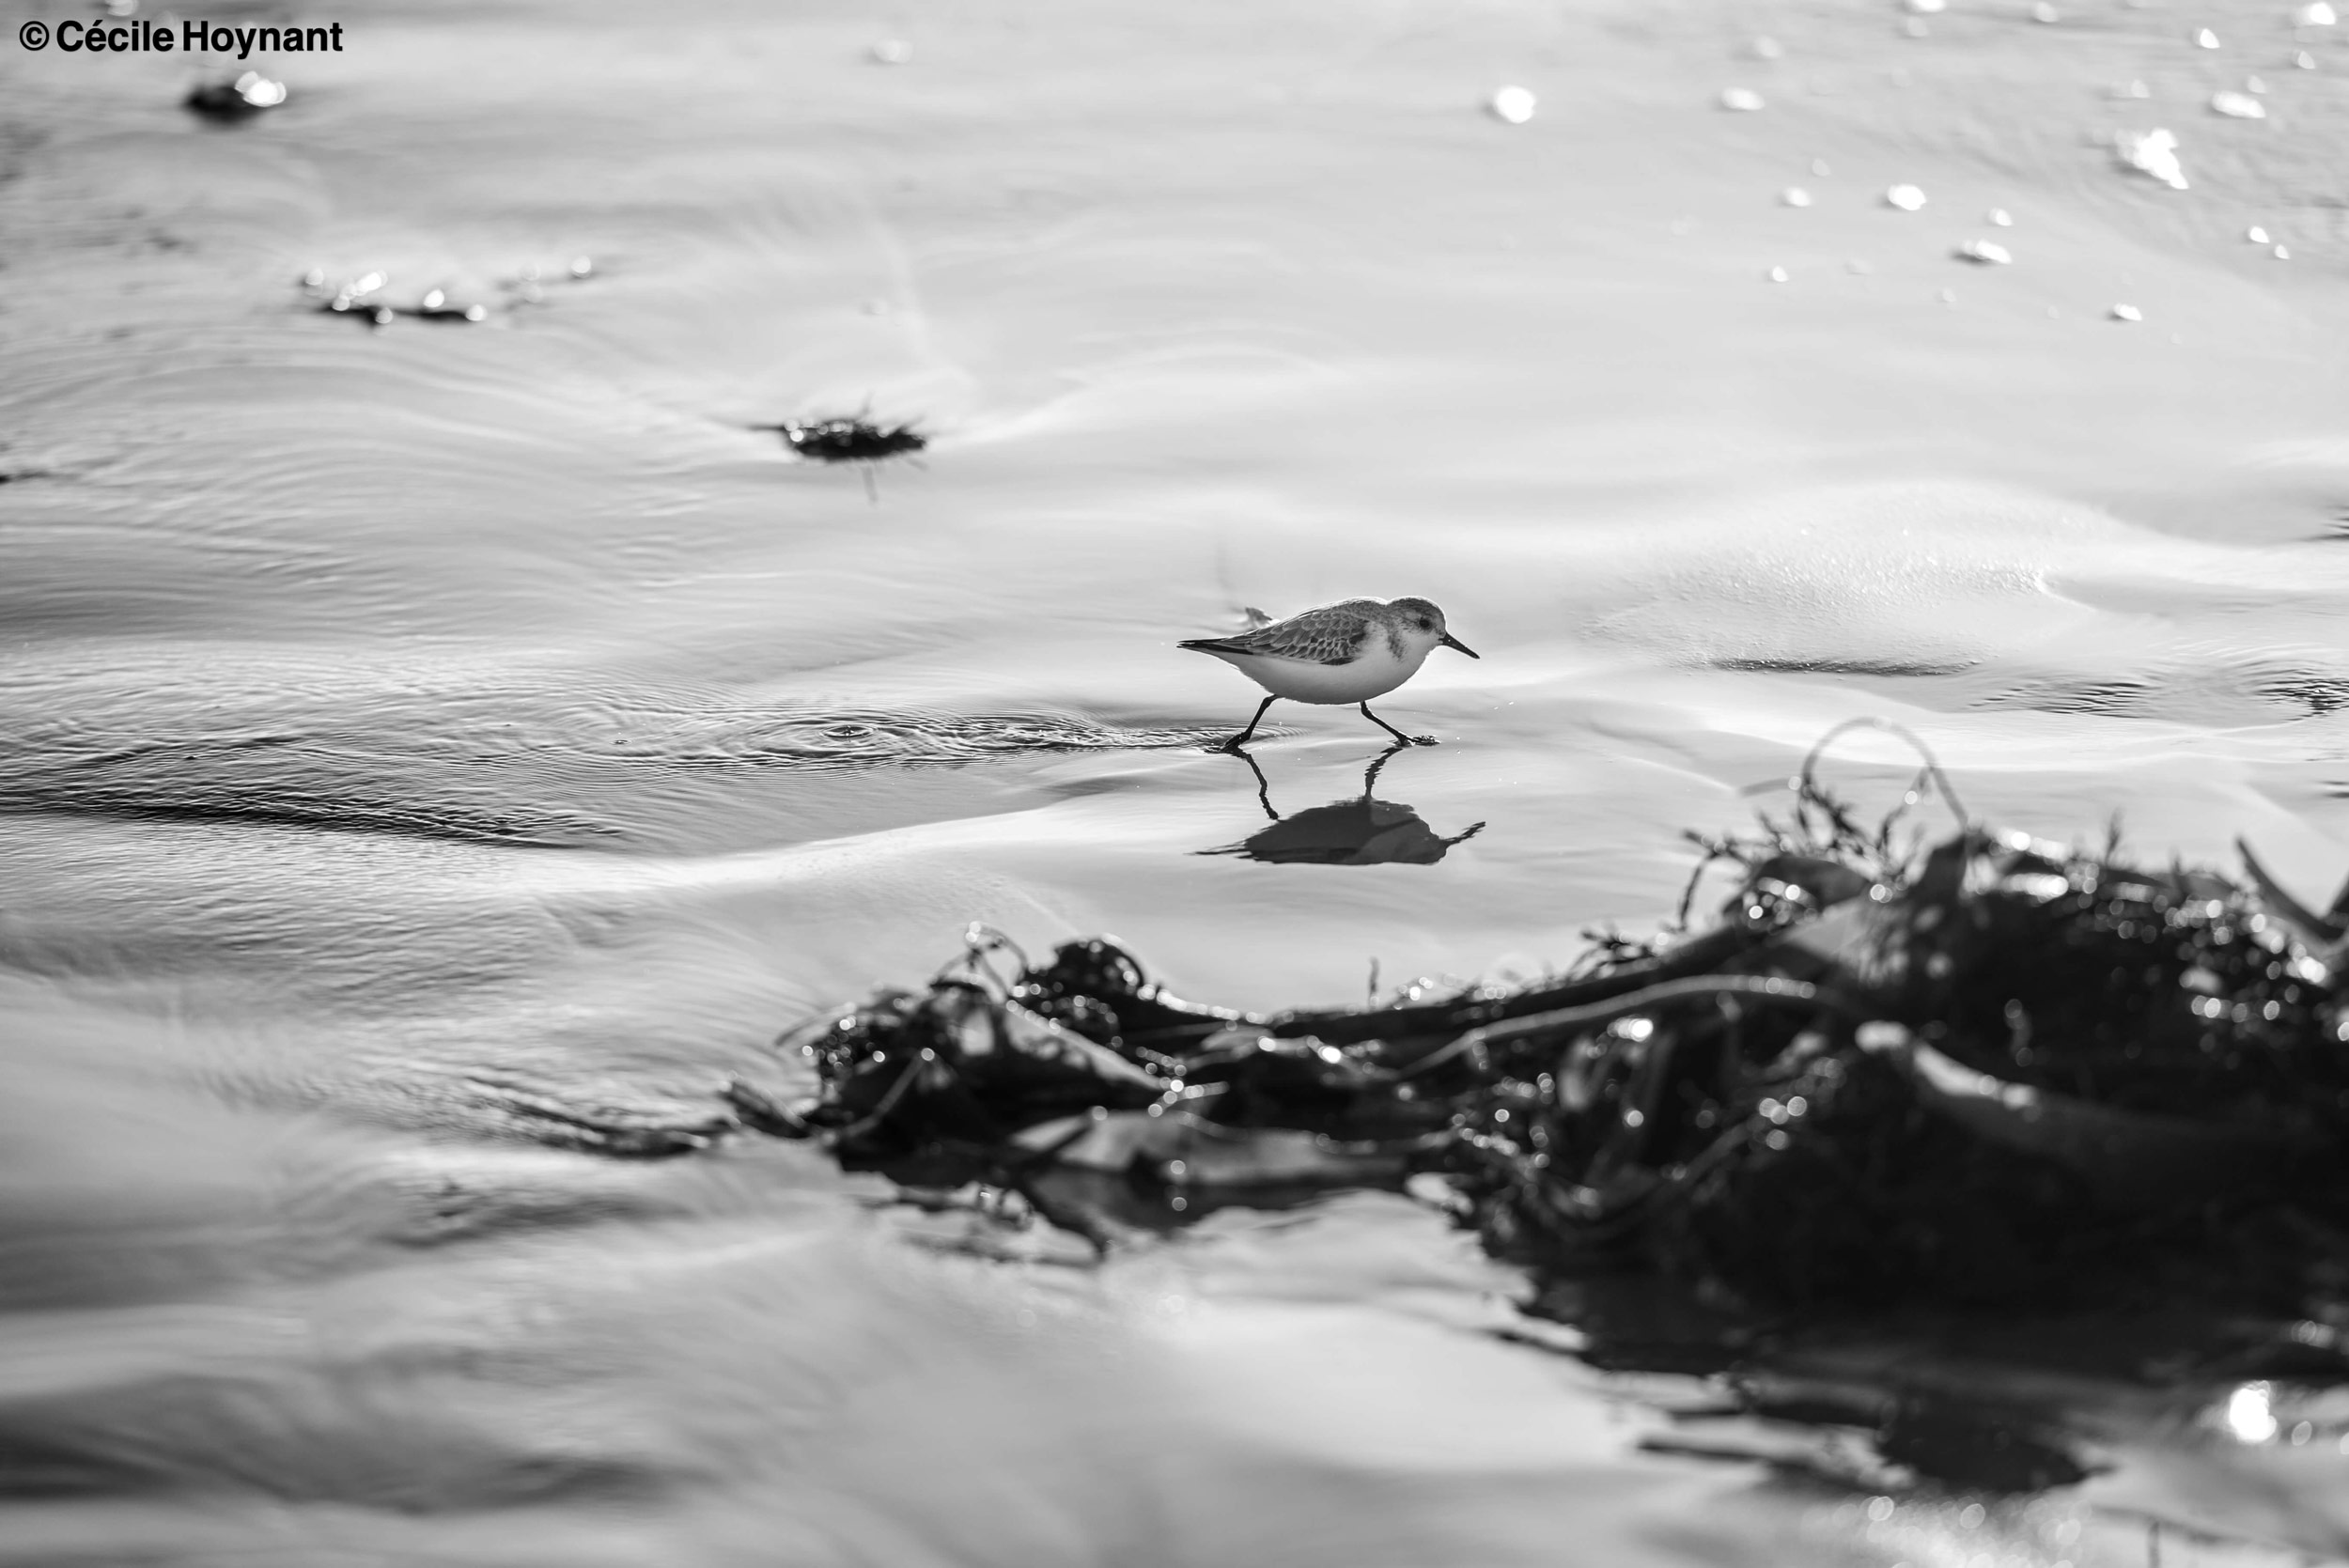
x=418 y=741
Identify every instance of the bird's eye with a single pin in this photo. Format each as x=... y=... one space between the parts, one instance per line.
x=1426 y=625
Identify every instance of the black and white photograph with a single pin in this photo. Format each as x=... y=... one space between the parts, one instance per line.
x=1105 y=784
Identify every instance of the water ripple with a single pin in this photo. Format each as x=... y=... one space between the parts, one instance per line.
x=515 y=766
x=2215 y=690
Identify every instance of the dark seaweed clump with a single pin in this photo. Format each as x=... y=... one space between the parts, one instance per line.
x=238 y=97
x=1984 y=1070
x=848 y=440
x=363 y=299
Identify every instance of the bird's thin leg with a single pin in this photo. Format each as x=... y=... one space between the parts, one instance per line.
x=1242 y=738
x=1405 y=740
x=1264 y=785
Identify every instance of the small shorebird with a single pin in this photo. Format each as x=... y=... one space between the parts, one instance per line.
x=1348 y=652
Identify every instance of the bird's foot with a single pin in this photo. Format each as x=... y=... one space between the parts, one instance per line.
x=1423 y=740
x=1235 y=745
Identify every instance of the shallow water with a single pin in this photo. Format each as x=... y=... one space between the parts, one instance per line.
x=425 y=747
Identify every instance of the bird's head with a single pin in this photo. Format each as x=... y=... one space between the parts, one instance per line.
x=1422 y=626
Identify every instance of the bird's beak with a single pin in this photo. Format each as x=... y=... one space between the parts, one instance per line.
x=1452 y=641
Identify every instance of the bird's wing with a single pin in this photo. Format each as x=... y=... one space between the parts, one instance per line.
x=1334 y=635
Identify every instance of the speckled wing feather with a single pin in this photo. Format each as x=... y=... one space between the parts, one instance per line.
x=1334 y=635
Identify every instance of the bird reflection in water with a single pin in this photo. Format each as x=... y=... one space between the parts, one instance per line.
x=1363 y=831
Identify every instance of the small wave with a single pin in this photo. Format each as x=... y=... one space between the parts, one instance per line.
x=1881 y=668
x=2318 y=695
x=137 y=1448
x=2216 y=690
x=2109 y=698
x=116 y=787
x=517 y=767
x=844 y=739
x=642 y=1130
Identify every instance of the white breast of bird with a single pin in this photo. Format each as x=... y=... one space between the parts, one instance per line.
x=1373 y=673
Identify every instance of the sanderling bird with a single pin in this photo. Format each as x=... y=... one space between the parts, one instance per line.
x=1348 y=652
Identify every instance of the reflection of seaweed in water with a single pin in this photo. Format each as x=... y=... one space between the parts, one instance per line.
x=1362 y=831
x=1986 y=1407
